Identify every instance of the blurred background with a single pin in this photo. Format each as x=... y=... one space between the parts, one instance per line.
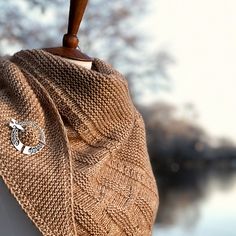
x=179 y=59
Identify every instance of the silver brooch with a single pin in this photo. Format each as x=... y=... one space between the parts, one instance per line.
x=19 y=126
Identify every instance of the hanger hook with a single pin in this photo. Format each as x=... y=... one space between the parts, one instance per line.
x=77 y=9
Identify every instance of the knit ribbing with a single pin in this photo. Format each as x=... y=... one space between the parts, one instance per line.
x=94 y=176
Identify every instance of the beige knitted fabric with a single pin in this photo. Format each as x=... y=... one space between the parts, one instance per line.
x=93 y=176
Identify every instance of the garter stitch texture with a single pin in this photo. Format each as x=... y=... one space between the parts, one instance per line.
x=93 y=176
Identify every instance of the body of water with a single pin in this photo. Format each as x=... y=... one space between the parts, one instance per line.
x=207 y=208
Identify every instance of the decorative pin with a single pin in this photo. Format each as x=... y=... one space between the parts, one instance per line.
x=19 y=126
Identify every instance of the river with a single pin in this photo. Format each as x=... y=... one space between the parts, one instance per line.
x=207 y=208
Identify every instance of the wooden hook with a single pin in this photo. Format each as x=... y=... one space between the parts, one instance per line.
x=70 y=40
x=77 y=9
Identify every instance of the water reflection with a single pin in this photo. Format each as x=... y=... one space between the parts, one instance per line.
x=197 y=202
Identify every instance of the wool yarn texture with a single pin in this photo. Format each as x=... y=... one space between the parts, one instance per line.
x=93 y=176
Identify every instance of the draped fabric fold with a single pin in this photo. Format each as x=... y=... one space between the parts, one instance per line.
x=93 y=176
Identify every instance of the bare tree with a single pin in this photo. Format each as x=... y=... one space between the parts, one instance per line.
x=109 y=31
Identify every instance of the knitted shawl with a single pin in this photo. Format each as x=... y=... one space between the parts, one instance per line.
x=90 y=173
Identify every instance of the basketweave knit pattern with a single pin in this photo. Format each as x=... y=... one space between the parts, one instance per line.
x=94 y=176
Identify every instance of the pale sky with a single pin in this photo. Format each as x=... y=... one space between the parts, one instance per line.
x=201 y=36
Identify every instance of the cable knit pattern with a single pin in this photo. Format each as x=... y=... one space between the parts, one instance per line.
x=94 y=176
